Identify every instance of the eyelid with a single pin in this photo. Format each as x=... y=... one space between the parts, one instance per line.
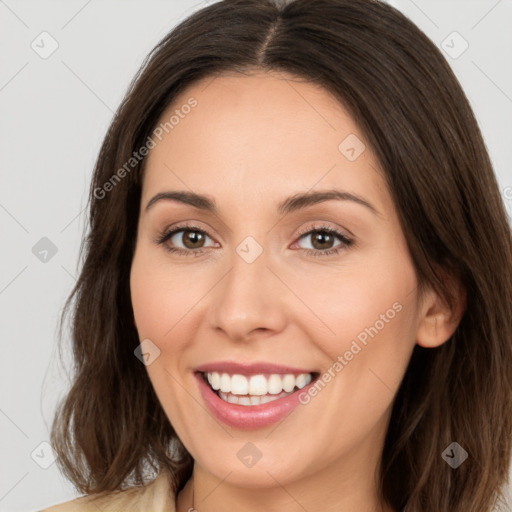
x=322 y=226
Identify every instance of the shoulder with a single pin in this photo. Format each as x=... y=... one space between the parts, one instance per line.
x=157 y=496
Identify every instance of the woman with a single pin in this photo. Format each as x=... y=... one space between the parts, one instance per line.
x=296 y=292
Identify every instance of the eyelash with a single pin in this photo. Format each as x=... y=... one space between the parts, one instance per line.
x=166 y=235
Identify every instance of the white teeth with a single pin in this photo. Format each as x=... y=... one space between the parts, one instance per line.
x=232 y=399
x=239 y=385
x=302 y=380
x=244 y=400
x=255 y=400
x=288 y=382
x=214 y=380
x=225 y=383
x=257 y=385
x=250 y=400
x=275 y=384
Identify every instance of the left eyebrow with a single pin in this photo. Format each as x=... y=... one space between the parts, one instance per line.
x=300 y=201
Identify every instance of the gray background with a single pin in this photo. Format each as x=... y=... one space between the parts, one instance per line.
x=55 y=112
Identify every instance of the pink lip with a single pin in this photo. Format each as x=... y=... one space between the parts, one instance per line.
x=249 y=416
x=250 y=369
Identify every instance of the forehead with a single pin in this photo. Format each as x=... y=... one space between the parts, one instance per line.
x=263 y=134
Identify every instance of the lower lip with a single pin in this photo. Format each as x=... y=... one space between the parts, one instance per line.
x=248 y=416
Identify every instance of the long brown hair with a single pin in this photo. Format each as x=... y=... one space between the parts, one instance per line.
x=110 y=431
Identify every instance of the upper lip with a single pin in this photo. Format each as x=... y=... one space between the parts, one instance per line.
x=233 y=368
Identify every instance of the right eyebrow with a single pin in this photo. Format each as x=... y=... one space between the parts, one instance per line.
x=196 y=200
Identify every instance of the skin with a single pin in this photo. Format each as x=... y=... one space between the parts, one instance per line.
x=252 y=141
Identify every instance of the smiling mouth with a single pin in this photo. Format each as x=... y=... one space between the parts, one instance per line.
x=250 y=390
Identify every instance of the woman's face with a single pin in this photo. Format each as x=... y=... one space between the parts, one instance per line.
x=260 y=290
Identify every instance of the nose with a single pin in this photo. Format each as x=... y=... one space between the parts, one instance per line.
x=248 y=300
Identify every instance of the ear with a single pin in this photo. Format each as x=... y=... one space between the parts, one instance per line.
x=438 y=321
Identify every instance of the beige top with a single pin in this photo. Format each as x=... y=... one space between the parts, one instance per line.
x=157 y=496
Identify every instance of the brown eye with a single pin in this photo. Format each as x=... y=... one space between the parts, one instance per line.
x=192 y=239
x=186 y=240
x=322 y=240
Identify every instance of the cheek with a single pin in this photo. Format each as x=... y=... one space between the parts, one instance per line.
x=161 y=295
x=161 y=304
x=368 y=320
x=371 y=305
